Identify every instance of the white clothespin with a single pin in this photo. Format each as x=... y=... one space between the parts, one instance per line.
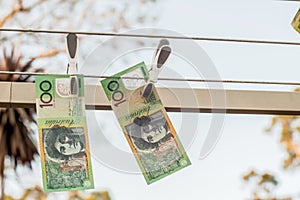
x=160 y=57
x=72 y=48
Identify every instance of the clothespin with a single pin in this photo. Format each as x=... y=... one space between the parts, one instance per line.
x=160 y=57
x=72 y=47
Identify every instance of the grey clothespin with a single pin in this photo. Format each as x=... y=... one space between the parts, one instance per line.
x=72 y=47
x=160 y=57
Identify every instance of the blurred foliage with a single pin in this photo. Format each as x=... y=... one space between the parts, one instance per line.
x=15 y=132
x=93 y=196
x=288 y=128
x=37 y=193
x=264 y=185
x=71 y=15
x=15 y=141
x=289 y=139
x=34 y=50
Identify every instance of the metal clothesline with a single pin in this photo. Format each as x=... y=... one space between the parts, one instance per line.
x=197 y=38
x=157 y=36
x=174 y=99
x=167 y=79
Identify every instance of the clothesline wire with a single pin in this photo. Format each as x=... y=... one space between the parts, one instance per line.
x=164 y=79
x=147 y=36
x=157 y=36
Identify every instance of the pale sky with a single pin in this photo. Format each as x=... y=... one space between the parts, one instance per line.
x=243 y=144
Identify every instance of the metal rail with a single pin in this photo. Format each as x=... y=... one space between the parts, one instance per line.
x=17 y=94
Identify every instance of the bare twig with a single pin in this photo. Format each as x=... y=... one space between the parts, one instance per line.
x=17 y=9
x=10 y=15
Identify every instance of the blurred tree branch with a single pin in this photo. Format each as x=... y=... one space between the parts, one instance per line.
x=45 y=49
x=289 y=138
x=18 y=8
x=37 y=193
x=289 y=130
x=70 y=15
x=264 y=186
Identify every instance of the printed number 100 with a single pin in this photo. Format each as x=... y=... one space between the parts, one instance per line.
x=117 y=95
x=46 y=96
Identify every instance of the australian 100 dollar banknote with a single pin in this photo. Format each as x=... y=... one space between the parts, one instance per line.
x=145 y=124
x=63 y=136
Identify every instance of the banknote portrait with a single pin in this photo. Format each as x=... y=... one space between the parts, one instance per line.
x=65 y=146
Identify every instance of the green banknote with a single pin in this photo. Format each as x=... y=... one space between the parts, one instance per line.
x=65 y=154
x=145 y=124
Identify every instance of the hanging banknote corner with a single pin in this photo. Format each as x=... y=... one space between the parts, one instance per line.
x=145 y=124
